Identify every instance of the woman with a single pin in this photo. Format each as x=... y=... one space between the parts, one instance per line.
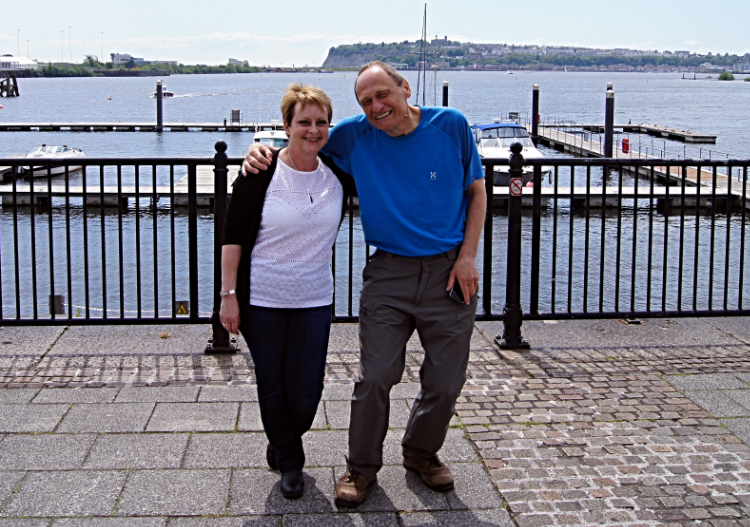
x=277 y=284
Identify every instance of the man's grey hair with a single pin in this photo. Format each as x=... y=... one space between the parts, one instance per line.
x=390 y=70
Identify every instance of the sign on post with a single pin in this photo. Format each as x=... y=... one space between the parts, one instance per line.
x=516 y=186
x=182 y=307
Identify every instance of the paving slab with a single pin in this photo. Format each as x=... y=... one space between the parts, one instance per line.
x=25 y=522
x=66 y=493
x=9 y=480
x=238 y=521
x=398 y=489
x=76 y=395
x=132 y=340
x=739 y=427
x=174 y=493
x=258 y=492
x=473 y=488
x=325 y=448
x=718 y=403
x=195 y=417
x=137 y=451
x=478 y=518
x=338 y=392
x=159 y=394
x=225 y=394
x=342 y=519
x=235 y=450
x=44 y=452
x=612 y=334
x=250 y=420
x=31 y=418
x=109 y=418
x=706 y=381
x=17 y=395
x=109 y=522
x=27 y=341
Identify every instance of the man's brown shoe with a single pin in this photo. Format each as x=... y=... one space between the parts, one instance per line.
x=351 y=490
x=434 y=473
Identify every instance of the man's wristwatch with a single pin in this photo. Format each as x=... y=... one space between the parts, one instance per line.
x=227 y=293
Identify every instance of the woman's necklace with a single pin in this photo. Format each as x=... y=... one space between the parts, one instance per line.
x=289 y=153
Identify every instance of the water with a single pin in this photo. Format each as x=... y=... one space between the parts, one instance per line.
x=703 y=106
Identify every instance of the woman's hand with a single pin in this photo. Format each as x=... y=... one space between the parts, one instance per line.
x=230 y=314
x=258 y=158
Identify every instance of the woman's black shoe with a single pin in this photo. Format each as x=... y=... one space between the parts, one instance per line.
x=271 y=456
x=292 y=484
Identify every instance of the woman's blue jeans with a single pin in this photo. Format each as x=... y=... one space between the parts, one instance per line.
x=289 y=349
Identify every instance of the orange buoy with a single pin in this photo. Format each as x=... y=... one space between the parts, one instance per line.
x=625 y=146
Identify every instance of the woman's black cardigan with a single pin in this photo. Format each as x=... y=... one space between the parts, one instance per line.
x=244 y=215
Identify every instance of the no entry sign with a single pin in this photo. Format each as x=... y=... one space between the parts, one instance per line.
x=516 y=186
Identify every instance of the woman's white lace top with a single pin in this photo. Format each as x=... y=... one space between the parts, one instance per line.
x=290 y=266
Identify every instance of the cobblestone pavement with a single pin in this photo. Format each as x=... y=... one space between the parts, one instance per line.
x=601 y=423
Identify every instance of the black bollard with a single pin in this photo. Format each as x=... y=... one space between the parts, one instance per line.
x=609 y=124
x=221 y=341
x=445 y=94
x=535 y=113
x=511 y=338
x=159 y=97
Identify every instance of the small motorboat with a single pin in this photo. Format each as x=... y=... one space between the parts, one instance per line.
x=275 y=138
x=493 y=142
x=58 y=153
x=164 y=93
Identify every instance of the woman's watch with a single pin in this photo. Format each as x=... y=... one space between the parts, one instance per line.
x=227 y=293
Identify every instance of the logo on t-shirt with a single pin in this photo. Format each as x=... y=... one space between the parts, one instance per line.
x=433 y=176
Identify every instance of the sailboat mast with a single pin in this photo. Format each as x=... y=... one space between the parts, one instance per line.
x=424 y=55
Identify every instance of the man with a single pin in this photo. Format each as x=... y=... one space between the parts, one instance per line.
x=422 y=205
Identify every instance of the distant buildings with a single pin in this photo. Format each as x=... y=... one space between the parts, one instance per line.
x=11 y=63
x=125 y=58
x=235 y=62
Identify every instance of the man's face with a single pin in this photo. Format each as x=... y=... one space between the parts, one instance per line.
x=384 y=102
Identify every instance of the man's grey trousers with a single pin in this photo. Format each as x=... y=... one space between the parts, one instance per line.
x=401 y=294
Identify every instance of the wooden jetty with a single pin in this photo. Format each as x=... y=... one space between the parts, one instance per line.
x=9 y=86
x=686 y=136
x=139 y=127
x=578 y=145
x=111 y=196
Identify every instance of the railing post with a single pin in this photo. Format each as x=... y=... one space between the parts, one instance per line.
x=609 y=124
x=221 y=341
x=535 y=113
x=159 y=98
x=511 y=338
x=445 y=94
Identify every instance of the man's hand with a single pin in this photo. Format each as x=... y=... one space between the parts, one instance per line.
x=465 y=271
x=258 y=158
x=230 y=314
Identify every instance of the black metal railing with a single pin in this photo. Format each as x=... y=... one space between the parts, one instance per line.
x=134 y=241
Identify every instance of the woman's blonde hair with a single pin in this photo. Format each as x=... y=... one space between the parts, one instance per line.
x=307 y=94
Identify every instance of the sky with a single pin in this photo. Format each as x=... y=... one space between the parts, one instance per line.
x=300 y=32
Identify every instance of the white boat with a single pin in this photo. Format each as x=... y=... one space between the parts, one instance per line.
x=164 y=93
x=58 y=153
x=276 y=138
x=509 y=72
x=494 y=140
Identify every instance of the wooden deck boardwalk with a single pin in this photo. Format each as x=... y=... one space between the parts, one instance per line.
x=576 y=144
x=139 y=127
x=686 y=136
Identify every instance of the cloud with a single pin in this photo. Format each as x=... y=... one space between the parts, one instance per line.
x=692 y=42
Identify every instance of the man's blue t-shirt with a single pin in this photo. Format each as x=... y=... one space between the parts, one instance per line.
x=412 y=189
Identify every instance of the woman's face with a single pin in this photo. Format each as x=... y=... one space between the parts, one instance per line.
x=308 y=131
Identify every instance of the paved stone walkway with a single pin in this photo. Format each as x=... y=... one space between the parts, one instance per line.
x=601 y=423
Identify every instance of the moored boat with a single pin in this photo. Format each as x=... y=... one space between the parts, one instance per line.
x=44 y=152
x=494 y=140
x=275 y=138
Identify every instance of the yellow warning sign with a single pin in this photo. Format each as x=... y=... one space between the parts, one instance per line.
x=182 y=307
